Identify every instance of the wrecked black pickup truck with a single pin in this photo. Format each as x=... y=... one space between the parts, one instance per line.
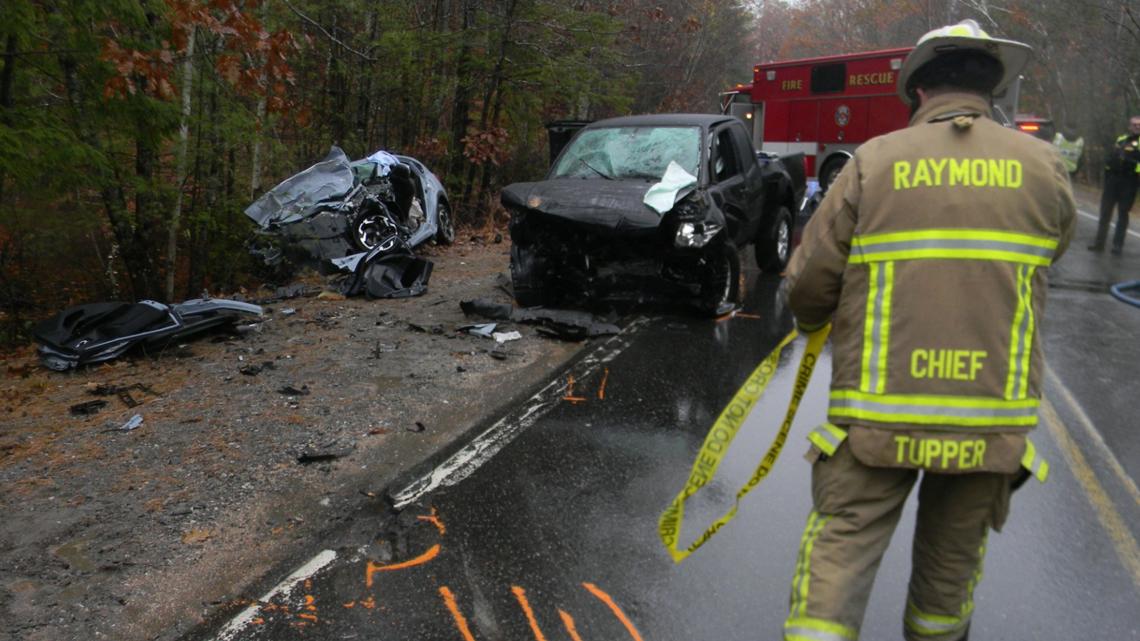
x=653 y=206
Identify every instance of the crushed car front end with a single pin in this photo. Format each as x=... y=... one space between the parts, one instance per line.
x=623 y=216
x=560 y=259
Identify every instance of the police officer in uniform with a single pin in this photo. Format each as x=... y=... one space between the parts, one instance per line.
x=928 y=257
x=1121 y=176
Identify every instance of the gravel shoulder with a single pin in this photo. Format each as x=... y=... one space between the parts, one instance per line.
x=143 y=534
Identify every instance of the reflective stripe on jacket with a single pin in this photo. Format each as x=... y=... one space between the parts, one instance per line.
x=929 y=256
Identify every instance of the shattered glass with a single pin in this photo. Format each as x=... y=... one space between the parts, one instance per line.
x=630 y=152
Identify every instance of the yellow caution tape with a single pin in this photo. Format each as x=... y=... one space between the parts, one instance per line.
x=724 y=430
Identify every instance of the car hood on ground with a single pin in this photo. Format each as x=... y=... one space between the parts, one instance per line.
x=614 y=205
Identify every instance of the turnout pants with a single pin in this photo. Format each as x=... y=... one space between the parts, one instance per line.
x=856 y=509
x=1119 y=194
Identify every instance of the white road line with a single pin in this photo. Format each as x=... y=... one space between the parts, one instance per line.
x=242 y=620
x=480 y=450
x=1096 y=219
x=1090 y=429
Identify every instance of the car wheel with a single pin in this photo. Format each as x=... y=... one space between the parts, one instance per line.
x=370 y=227
x=830 y=171
x=445 y=226
x=720 y=282
x=775 y=248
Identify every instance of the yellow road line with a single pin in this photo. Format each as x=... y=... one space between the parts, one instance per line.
x=1090 y=429
x=1109 y=517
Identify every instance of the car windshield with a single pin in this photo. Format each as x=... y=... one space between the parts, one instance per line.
x=630 y=152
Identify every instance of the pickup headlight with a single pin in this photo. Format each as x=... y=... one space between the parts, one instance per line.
x=695 y=235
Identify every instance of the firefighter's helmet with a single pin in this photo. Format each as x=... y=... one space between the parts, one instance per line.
x=964 y=36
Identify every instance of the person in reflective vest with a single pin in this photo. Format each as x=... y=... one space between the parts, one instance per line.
x=928 y=256
x=1072 y=147
x=1121 y=177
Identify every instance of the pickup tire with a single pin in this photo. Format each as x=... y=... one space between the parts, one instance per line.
x=526 y=282
x=720 y=281
x=830 y=171
x=774 y=246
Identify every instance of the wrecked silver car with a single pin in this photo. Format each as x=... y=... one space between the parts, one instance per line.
x=338 y=208
x=650 y=206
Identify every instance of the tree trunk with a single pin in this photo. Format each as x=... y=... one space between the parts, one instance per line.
x=180 y=171
x=493 y=99
x=6 y=76
x=461 y=116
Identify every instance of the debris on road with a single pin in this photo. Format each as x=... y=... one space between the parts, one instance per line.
x=87 y=408
x=255 y=369
x=321 y=456
x=485 y=330
x=503 y=337
x=134 y=423
x=291 y=390
x=558 y=323
x=98 y=332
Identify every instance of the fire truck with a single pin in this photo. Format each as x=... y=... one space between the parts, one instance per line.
x=826 y=107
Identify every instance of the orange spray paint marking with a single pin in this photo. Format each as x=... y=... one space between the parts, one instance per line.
x=460 y=621
x=419 y=560
x=434 y=520
x=309 y=617
x=602 y=387
x=605 y=598
x=520 y=594
x=349 y=605
x=309 y=601
x=368 y=603
x=568 y=621
x=570 y=391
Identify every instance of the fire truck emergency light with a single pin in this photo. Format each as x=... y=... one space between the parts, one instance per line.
x=1029 y=126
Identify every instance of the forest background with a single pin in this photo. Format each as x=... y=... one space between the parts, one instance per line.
x=134 y=132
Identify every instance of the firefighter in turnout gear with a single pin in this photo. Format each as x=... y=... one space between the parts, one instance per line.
x=1121 y=177
x=928 y=257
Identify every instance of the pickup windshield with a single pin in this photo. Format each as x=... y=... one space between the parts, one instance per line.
x=623 y=153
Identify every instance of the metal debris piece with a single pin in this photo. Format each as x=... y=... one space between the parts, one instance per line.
x=559 y=323
x=426 y=329
x=486 y=330
x=290 y=390
x=305 y=458
x=99 y=332
x=134 y=423
x=87 y=408
x=255 y=369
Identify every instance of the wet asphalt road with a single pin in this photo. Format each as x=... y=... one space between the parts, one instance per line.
x=554 y=535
